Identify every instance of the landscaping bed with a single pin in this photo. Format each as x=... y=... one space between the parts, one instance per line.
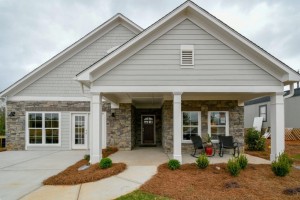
x=71 y=175
x=292 y=148
x=190 y=182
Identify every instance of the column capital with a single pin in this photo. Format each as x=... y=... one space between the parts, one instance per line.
x=177 y=93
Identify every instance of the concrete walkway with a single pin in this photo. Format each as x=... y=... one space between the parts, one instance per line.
x=141 y=166
x=22 y=172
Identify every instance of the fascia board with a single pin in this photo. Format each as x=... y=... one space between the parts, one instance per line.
x=70 y=51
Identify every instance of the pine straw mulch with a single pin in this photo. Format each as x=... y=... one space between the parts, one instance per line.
x=292 y=148
x=71 y=175
x=255 y=182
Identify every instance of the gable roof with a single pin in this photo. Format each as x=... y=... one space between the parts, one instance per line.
x=209 y=23
x=71 y=51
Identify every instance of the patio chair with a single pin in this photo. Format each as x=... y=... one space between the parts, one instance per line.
x=226 y=142
x=198 y=144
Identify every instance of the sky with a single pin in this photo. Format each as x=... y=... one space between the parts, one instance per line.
x=33 y=31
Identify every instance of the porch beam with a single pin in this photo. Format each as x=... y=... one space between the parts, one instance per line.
x=277 y=125
x=96 y=128
x=177 y=126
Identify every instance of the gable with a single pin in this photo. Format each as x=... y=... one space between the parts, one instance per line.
x=59 y=81
x=159 y=63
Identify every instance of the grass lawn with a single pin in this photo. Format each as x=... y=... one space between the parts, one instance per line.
x=292 y=148
x=138 y=195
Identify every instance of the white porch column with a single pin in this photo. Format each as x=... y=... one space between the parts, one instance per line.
x=277 y=125
x=96 y=129
x=177 y=126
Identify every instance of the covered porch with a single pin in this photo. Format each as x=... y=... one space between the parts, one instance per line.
x=203 y=100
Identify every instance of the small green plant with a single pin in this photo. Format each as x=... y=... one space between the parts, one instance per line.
x=202 y=162
x=233 y=167
x=282 y=166
x=86 y=157
x=243 y=161
x=254 y=140
x=105 y=163
x=173 y=164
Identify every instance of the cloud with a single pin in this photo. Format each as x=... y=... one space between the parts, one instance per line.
x=34 y=31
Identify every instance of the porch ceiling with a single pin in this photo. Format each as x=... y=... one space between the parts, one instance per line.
x=156 y=99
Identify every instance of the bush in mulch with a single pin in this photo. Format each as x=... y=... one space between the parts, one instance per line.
x=173 y=164
x=71 y=175
x=105 y=163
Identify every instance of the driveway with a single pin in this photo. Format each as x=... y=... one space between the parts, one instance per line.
x=22 y=172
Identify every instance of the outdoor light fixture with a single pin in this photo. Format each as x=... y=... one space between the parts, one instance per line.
x=12 y=114
x=113 y=113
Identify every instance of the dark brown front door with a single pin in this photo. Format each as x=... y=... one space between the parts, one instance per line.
x=148 y=127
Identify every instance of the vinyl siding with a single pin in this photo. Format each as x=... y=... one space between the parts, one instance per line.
x=59 y=82
x=65 y=135
x=215 y=63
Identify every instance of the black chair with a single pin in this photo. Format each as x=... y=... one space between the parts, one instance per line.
x=226 y=142
x=198 y=144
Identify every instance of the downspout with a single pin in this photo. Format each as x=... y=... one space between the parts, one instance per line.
x=292 y=91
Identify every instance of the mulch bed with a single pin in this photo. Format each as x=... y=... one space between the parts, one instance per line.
x=255 y=182
x=291 y=148
x=71 y=175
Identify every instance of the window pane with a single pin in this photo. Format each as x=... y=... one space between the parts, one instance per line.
x=185 y=118
x=55 y=124
x=47 y=124
x=263 y=109
x=194 y=118
x=38 y=116
x=31 y=124
x=38 y=124
x=186 y=133
x=217 y=131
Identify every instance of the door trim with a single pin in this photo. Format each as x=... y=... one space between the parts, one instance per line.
x=72 y=142
x=154 y=129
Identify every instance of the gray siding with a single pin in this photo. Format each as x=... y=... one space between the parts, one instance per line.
x=65 y=135
x=159 y=63
x=59 y=82
x=291 y=113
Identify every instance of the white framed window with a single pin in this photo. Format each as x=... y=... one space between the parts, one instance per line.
x=191 y=125
x=43 y=128
x=218 y=124
x=263 y=112
x=187 y=56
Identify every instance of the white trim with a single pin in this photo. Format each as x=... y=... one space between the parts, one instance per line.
x=199 y=126
x=187 y=48
x=27 y=144
x=154 y=129
x=231 y=89
x=226 y=125
x=41 y=98
x=72 y=50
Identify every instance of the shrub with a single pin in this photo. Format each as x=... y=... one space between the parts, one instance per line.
x=282 y=166
x=105 y=163
x=202 y=162
x=233 y=167
x=243 y=161
x=254 y=140
x=173 y=164
x=86 y=157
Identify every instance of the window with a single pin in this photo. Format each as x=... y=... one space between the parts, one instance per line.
x=263 y=112
x=218 y=124
x=187 y=56
x=190 y=124
x=148 y=120
x=43 y=128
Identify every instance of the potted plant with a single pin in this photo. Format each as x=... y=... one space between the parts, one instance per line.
x=209 y=146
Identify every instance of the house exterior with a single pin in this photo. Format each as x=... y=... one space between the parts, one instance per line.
x=261 y=108
x=186 y=74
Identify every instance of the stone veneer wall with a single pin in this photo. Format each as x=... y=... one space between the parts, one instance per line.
x=121 y=127
x=236 y=119
x=15 y=126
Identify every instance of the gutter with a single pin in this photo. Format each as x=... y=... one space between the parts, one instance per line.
x=292 y=91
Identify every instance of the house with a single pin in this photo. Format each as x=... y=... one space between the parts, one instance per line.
x=261 y=108
x=188 y=73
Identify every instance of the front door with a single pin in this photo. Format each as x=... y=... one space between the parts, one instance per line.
x=79 y=131
x=148 y=129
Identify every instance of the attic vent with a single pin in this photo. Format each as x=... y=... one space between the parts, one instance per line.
x=187 y=55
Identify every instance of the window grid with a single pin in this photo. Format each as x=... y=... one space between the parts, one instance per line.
x=190 y=124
